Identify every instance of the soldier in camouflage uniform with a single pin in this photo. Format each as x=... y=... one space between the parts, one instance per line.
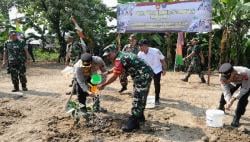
x=15 y=56
x=132 y=47
x=196 y=65
x=74 y=50
x=188 y=61
x=141 y=75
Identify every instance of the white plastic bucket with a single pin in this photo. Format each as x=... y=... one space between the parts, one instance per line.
x=214 y=118
x=150 y=102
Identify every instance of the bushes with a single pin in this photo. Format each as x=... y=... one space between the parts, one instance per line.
x=44 y=55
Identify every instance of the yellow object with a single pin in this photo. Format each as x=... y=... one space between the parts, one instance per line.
x=94 y=89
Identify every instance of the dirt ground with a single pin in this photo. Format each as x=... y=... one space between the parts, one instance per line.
x=39 y=114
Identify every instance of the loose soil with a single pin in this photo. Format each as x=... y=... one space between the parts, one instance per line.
x=38 y=115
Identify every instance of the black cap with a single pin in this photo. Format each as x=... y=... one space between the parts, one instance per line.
x=86 y=59
x=225 y=71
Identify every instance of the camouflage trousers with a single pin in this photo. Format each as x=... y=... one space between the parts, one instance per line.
x=124 y=79
x=140 y=92
x=195 y=67
x=17 y=72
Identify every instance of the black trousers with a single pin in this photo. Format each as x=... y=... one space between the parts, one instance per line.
x=81 y=95
x=30 y=50
x=157 y=84
x=243 y=101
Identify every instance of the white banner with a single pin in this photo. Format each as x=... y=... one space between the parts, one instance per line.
x=188 y=16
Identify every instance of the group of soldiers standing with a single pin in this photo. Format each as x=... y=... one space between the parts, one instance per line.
x=138 y=60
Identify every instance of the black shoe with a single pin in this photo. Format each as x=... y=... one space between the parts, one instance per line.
x=157 y=102
x=83 y=109
x=235 y=122
x=184 y=79
x=15 y=90
x=203 y=80
x=68 y=93
x=123 y=89
x=132 y=124
x=142 y=119
x=100 y=109
x=25 y=89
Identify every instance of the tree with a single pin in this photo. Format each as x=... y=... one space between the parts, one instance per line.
x=233 y=16
x=90 y=14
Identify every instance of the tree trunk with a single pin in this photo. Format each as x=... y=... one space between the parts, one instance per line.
x=169 y=56
x=62 y=50
x=223 y=47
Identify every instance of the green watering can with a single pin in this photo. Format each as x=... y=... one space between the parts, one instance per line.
x=96 y=79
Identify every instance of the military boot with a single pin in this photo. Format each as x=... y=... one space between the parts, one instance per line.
x=123 y=89
x=24 y=87
x=132 y=124
x=142 y=118
x=16 y=87
x=203 y=80
x=236 y=121
x=185 y=79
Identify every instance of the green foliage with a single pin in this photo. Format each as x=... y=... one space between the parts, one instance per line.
x=126 y=1
x=43 y=55
x=233 y=16
x=54 y=16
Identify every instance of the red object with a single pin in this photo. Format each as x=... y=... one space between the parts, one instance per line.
x=118 y=67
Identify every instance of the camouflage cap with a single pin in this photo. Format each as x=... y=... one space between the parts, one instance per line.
x=132 y=36
x=108 y=49
x=195 y=39
x=12 y=32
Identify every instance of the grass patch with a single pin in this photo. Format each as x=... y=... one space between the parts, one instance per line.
x=44 y=55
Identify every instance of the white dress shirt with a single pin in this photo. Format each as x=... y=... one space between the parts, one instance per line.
x=153 y=58
x=245 y=83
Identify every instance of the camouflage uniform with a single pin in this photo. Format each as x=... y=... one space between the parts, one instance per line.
x=188 y=61
x=16 y=62
x=142 y=75
x=124 y=76
x=74 y=52
x=195 y=65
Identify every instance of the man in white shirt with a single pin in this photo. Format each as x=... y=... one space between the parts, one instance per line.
x=232 y=78
x=156 y=60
